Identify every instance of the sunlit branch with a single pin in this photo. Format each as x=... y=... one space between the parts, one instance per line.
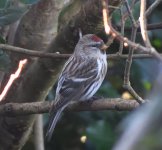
x=105 y=18
x=142 y=20
x=12 y=78
x=139 y=47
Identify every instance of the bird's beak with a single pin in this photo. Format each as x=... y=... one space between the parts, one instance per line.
x=104 y=47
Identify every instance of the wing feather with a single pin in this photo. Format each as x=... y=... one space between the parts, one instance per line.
x=74 y=80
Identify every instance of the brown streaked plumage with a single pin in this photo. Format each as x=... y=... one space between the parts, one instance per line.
x=81 y=76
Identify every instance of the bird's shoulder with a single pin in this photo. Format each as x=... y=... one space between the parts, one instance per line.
x=77 y=71
x=79 y=65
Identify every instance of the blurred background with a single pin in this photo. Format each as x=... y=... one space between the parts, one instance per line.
x=98 y=130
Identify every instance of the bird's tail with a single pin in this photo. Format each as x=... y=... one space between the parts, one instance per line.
x=54 y=117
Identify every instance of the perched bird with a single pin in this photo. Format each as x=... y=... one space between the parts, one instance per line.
x=81 y=76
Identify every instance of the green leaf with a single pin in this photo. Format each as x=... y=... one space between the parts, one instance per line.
x=100 y=134
x=147 y=85
x=157 y=43
x=2 y=40
x=5 y=61
x=2 y=3
x=10 y=15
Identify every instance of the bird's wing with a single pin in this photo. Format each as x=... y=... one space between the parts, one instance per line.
x=74 y=83
x=76 y=78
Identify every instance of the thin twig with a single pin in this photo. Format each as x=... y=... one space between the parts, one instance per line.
x=152 y=7
x=154 y=26
x=138 y=47
x=126 y=14
x=127 y=83
x=129 y=60
x=130 y=13
x=110 y=30
x=33 y=53
x=118 y=104
x=121 y=31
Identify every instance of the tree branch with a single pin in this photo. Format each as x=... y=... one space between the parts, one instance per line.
x=154 y=26
x=14 y=109
x=38 y=133
x=34 y=53
x=127 y=83
x=152 y=7
x=119 y=37
x=143 y=26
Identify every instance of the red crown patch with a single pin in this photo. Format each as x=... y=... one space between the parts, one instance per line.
x=96 y=38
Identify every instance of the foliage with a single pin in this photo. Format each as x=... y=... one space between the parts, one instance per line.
x=4 y=58
x=99 y=127
x=10 y=13
x=101 y=135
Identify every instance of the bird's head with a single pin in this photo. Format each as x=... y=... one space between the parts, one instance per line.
x=91 y=45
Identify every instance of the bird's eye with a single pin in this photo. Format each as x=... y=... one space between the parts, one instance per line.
x=97 y=44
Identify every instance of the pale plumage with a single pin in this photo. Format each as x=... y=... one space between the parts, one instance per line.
x=81 y=76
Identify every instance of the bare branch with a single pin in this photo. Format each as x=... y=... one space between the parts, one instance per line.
x=152 y=7
x=121 y=31
x=38 y=133
x=12 y=78
x=143 y=23
x=34 y=53
x=12 y=109
x=153 y=26
x=110 y=30
x=130 y=13
x=127 y=83
x=119 y=37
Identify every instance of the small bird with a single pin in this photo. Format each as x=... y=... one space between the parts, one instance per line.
x=81 y=77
